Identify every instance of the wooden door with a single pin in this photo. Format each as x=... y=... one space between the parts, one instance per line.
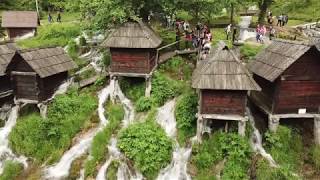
x=25 y=85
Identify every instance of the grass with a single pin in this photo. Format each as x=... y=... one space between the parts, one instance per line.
x=65 y=17
x=133 y=88
x=52 y=35
x=115 y=114
x=249 y=51
x=11 y=170
x=45 y=140
x=315 y=156
x=219 y=34
x=112 y=170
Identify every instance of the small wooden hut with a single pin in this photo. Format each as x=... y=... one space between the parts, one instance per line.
x=37 y=73
x=133 y=48
x=288 y=73
x=7 y=52
x=19 y=23
x=222 y=82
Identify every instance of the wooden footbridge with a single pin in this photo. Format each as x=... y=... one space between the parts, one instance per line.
x=164 y=57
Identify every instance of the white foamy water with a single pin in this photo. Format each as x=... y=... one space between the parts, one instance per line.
x=244 y=25
x=177 y=170
x=5 y=151
x=62 y=168
x=124 y=172
x=256 y=141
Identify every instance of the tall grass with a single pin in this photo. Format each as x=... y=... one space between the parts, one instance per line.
x=52 y=35
x=11 y=170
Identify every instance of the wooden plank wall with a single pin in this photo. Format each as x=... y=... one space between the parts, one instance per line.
x=265 y=96
x=4 y=83
x=130 y=61
x=223 y=102
x=16 y=32
x=299 y=86
x=49 y=84
x=26 y=87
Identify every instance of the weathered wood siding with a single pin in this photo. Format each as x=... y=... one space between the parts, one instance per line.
x=223 y=102
x=49 y=84
x=26 y=87
x=131 y=60
x=16 y=32
x=265 y=96
x=299 y=87
x=4 y=83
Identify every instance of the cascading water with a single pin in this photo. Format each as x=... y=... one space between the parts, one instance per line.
x=256 y=141
x=244 y=25
x=177 y=169
x=61 y=169
x=5 y=152
x=124 y=172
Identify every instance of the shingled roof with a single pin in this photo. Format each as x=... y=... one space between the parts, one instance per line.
x=223 y=71
x=48 y=61
x=133 y=35
x=278 y=57
x=7 y=51
x=19 y=19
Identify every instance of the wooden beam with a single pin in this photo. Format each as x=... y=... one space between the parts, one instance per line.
x=307 y=115
x=23 y=73
x=224 y=117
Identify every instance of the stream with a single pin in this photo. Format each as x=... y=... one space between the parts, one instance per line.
x=256 y=141
x=5 y=151
x=177 y=169
x=61 y=169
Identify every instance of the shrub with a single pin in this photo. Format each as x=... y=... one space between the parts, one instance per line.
x=106 y=58
x=99 y=148
x=185 y=114
x=133 y=88
x=177 y=68
x=11 y=170
x=112 y=170
x=52 y=35
x=164 y=88
x=265 y=172
x=143 y=104
x=82 y=41
x=42 y=138
x=101 y=81
x=285 y=146
x=73 y=48
x=148 y=146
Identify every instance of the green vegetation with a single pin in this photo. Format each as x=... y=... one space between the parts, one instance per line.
x=185 y=114
x=164 y=88
x=286 y=147
x=177 y=68
x=248 y=51
x=265 y=172
x=143 y=104
x=148 y=146
x=11 y=170
x=219 y=34
x=52 y=35
x=99 y=148
x=112 y=170
x=47 y=139
x=234 y=148
x=315 y=156
x=133 y=88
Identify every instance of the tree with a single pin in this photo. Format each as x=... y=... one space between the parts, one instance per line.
x=263 y=6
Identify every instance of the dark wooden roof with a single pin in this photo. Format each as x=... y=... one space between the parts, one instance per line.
x=7 y=51
x=19 y=19
x=48 y=61
x=278 y=57
x=223 y=71
x=133 y=35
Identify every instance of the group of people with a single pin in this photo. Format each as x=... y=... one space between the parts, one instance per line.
x=282 y=20
x=199 y=36
x=50 y=18
x=262 y=30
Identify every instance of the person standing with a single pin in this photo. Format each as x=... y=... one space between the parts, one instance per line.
x=49 y=18
x=177 y=38
x=272 y=33
x=280 y=18
x=228 y=30
x=59 y=17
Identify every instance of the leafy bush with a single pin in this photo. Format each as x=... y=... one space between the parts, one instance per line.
x=231 y=146
x=148 y=146
x=106 y=58
x=42 y=138
x=11 y=170
x=82 y=41
x=164 y=88
x=52 y=35
x=101 y=81
x=185 y=114
x=72 y=48
x=177 y=68
x=285 y=146
x=143 y=104
x=133 y=88
x=99 y=149
x=112 y=170
x=184 y=15
x=265 y=172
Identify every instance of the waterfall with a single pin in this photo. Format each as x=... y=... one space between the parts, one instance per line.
x=61 y=169
x=178 y=167
x=124 y=172
x=5 y=151
x=256 y=141
x=244 y=25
